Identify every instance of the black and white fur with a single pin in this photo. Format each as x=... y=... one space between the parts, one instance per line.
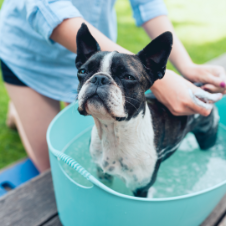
x=134 y=132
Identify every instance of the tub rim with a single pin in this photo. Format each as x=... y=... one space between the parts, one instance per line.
x=96 y=182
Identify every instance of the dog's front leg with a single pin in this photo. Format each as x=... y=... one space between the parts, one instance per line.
x=147 y=191
x=142 y=193
x=104 y=177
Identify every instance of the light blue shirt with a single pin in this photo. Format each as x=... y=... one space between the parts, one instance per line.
x=46 y=66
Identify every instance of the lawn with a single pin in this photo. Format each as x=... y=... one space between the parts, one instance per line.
x=200 y=24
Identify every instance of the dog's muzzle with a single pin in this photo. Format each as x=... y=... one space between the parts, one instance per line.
x=96 y=87
x=101 y=95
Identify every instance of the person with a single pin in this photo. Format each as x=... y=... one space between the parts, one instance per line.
x=38 y=49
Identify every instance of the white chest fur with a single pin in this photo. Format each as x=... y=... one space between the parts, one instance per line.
x=126 y=149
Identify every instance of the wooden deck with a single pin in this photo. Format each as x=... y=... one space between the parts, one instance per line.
x=33 y=203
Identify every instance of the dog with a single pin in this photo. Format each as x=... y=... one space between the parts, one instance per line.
x=134 y=132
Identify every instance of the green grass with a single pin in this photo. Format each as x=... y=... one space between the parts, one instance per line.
x=11 y=148
x=200 y=24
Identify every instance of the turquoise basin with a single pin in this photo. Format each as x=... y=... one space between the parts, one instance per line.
x=86 y=201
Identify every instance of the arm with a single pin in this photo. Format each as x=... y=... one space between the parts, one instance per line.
x=60 y=20
x=178 y=99
x=61 y=35
x=213 y=76
x=179 y=56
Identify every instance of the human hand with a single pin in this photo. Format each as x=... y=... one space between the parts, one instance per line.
x=181 y=97
x=213 y=77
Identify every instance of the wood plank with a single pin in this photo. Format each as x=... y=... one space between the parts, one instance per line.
x=223 y=222
x=53 y=222
x=30 y=204
x=216 y=214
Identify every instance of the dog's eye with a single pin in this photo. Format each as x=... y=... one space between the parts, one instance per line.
x=82 y=71
x=128 y=77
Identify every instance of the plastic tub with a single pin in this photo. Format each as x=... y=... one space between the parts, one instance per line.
x=98 y=205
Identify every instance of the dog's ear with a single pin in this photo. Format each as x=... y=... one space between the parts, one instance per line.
x=86 y=45
x=155 y=55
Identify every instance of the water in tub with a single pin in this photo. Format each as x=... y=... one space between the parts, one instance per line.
x=187 y=171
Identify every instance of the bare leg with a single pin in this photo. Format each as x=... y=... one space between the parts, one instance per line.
x=32 y=113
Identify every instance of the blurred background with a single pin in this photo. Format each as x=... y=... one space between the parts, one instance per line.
x=200 y=25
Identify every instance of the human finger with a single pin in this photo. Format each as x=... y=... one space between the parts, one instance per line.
x=183 y=110
x=219 y=72
x=190 y=106
x=213 y=89
x=198 y=108
x=217 y=81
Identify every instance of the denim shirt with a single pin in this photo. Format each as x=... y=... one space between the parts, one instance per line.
x=44 y=65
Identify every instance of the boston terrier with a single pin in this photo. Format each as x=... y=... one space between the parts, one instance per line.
x=134 y=132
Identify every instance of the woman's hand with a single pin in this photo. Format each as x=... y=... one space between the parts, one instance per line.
x=181 y=97
x=213 y=77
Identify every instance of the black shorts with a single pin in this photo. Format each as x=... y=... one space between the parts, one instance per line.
x=9 y=77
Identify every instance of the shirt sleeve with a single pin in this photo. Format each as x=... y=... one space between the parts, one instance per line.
x=45 y=15
x=144 y=10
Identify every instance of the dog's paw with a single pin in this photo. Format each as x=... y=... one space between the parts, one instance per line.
x=104 y=177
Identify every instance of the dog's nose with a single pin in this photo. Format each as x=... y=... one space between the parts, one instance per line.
x=100 y=80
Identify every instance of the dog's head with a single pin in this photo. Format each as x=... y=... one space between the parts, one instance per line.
x=112 y=84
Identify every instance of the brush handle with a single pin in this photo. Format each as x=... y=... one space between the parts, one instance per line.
x=73 y=164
